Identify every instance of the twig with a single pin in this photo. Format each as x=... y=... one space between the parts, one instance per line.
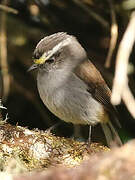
x=1 y=105
x=114 y=35
x=129 y=100
x=91 y=13
x=3 y=54
x=8 y=9
x=120 y=85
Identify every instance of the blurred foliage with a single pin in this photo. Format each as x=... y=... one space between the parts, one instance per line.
x=90 y=22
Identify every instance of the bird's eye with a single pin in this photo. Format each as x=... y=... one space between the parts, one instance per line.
x=50 y=60
x=53 y=58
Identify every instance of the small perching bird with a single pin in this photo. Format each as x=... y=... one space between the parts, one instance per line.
x=70 y=85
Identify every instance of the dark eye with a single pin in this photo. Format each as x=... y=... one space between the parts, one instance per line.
x=51 y=60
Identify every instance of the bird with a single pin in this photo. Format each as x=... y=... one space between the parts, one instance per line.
x=70 y=85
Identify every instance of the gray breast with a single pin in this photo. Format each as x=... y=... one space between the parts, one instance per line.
x=67 y=97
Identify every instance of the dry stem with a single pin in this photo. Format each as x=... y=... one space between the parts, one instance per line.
x=114 y=35
x=8 y=9
x=91 y=13
x=3 y=54
x=120 y=85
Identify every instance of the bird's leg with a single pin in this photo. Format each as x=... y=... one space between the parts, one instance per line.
x=89 y=138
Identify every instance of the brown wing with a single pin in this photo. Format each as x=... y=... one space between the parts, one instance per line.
x=96 y=84
x=100 y=91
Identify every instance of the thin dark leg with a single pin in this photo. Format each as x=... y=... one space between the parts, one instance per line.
x=89 y=138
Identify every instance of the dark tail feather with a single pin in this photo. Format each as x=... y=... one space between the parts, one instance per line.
x=114 y=117
x=111 y=134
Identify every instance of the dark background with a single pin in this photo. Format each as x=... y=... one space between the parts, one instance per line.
x=38 y=18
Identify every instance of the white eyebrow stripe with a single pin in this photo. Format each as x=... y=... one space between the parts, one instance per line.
x=56 y=48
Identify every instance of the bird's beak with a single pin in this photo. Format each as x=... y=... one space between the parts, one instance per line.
x=37 y=62
x=34 y=66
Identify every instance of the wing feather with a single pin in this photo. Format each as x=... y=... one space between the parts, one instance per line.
x=97 y=87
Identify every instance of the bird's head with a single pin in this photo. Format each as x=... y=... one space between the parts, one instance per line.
x=58 y=51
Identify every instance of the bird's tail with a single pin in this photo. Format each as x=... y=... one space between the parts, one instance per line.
x=111 y=134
